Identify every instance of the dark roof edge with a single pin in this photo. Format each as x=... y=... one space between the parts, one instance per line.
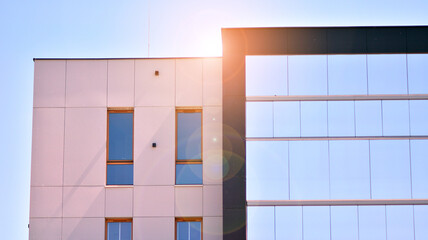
x=323 y=27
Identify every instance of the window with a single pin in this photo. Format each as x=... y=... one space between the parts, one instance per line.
x=119 y=229
x=188 y=168
x=120 y=170
x=188 y=228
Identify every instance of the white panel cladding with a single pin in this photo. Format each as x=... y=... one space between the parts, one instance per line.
x=48 y=147
x=151 y=201
x=154 y=166
x=86 y=83
x=45 y=228
x=188 y=201
x=85 y=146
x=83 y=228
x=212 y=228
x=266 y=75
x=46 y=202
x=213 y=200
x=49 y=83
x=212 y=145
x=120 y=83
x=159 y=228
x=152 y=89
x=212 y=81
x=119 y=201
x=84 y=202
x=189 y=82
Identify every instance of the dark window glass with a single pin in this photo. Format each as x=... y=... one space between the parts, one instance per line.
x=120 y=136
x=119 y=230
x=189 y=231
x=188 y=174
x=120 y=174
x=189 y=135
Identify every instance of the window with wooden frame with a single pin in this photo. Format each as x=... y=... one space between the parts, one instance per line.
x=188 y=228
x=118 y=229
x=120 y=141
x=188 y=153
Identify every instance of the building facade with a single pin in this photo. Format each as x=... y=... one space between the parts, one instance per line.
x=295 y=133
x=326 y=133
x=127 y=148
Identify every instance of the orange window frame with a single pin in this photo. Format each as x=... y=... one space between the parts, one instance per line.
x=188 y=110
x=119 y=162
x=189 y=219
x=109 y=220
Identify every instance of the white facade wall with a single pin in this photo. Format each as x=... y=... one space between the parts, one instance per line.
x=69 y=196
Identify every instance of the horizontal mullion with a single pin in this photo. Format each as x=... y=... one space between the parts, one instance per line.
x=337 y=97
x=120 y=162
x=189 y=161
x=334 y=138
x=338 y=202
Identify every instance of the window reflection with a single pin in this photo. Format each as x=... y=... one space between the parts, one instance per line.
x=368 y=118
x=372 y=224
x=259 y=119
x=309 y=170
x=288 y=222
x=307 y=75
x=347 y=74
x=260 y=223
x=341 y=118
x=286 y=119
x=344 y=222
x=266 y=75
x=387 y=73
x=267 y=170
x=395 y=118
x=349 y=169
x=316 y=222
x=390 y=169
x=399 y=222
x=314 y=119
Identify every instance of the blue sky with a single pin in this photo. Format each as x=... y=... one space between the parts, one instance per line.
x=136 y=28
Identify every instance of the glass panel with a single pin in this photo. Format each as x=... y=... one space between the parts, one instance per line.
x=418 y=73
x=286 y=119
x=307 y=75
x=125 y=230
x=399 y=222
x=316 y=222
x=120 y=136
x=349 y=169
x=195 y=230
x=395 y=118
x=309 y=170
x=288 y=223
x=113 y=230
x=344 y=222
x=259 y=119
x=341 y=118
x=421 y=222
x=314 y=119
x=368 y=118
x=267 y=170
x=266 y=75
x=183 y=232
x=418 y=117
x=120 y=174
x=189 y=135
x=347 y=74
x=390 y=169
x=387 y=73
x=371 y=222
x=419 y=156
x=260 y=223
x=188 y=174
